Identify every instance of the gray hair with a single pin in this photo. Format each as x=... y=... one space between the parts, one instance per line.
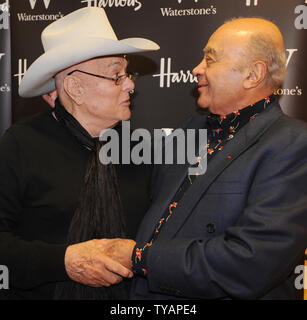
x=263 y=47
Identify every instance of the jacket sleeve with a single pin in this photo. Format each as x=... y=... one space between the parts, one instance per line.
x=30 y=263
x=252 y=256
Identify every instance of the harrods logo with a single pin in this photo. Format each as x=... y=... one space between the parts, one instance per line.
x=4 y=15
x=136 y=4
x=300 y=21
x=167 y=77
x=174 y=12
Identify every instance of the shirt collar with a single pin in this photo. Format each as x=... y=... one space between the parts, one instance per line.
x=220 y=127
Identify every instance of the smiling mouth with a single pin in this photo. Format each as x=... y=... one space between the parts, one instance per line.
x=201 y=86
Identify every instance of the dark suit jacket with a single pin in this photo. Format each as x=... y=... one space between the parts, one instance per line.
x=241 y=228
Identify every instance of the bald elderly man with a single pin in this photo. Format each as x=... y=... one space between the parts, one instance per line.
x=240 y=230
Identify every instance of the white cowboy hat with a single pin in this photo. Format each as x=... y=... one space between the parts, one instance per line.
x=81 y=35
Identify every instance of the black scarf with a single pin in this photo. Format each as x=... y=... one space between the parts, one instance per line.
x=99 y=212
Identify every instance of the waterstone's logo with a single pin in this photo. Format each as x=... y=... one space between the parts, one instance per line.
x=25 y=17
x=4 y=15
x=297 y=91
x=172 y=12
x=300 y=21
x=185 y=151
x=168 y=77
x=4 y=277
x=137 y=4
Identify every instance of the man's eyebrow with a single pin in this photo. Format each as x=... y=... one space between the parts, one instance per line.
x=209 y=50
x=115 y=63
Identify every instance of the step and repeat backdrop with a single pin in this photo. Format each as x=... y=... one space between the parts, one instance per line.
x=166 y=89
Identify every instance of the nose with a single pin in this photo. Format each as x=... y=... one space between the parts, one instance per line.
x=128 y=85
x=200 y=69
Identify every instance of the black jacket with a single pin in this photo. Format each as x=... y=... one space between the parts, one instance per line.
x=41 y=175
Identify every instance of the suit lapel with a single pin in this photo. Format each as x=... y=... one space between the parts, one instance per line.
x=244 y=139
x=215 y=167
x=173 y=178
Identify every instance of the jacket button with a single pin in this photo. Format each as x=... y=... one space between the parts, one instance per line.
x=210 y=227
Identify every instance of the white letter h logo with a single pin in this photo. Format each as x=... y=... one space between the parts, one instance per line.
x=248 y=3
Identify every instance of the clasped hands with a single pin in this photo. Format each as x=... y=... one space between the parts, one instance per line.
x=100 y=262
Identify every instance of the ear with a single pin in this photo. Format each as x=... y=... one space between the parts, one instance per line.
x=257 y=73
x=74 y=89
x=51 y=97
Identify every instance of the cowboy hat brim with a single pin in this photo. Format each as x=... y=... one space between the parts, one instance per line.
x=39 y=79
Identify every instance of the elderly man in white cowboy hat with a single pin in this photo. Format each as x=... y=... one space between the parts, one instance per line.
x=56 y=198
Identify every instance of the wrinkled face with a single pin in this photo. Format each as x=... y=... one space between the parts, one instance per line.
x=220 y=78
x=104 y=102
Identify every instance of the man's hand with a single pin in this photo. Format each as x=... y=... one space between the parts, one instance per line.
x=87 y=263
x=119 y=250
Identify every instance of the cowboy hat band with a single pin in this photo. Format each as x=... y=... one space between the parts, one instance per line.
x=79 y=36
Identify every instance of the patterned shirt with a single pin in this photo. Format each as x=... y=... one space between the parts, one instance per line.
x=220 y=129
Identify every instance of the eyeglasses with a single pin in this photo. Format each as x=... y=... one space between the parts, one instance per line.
x=118 y=79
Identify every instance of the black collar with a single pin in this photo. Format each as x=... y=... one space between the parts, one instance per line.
x=222 y=127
